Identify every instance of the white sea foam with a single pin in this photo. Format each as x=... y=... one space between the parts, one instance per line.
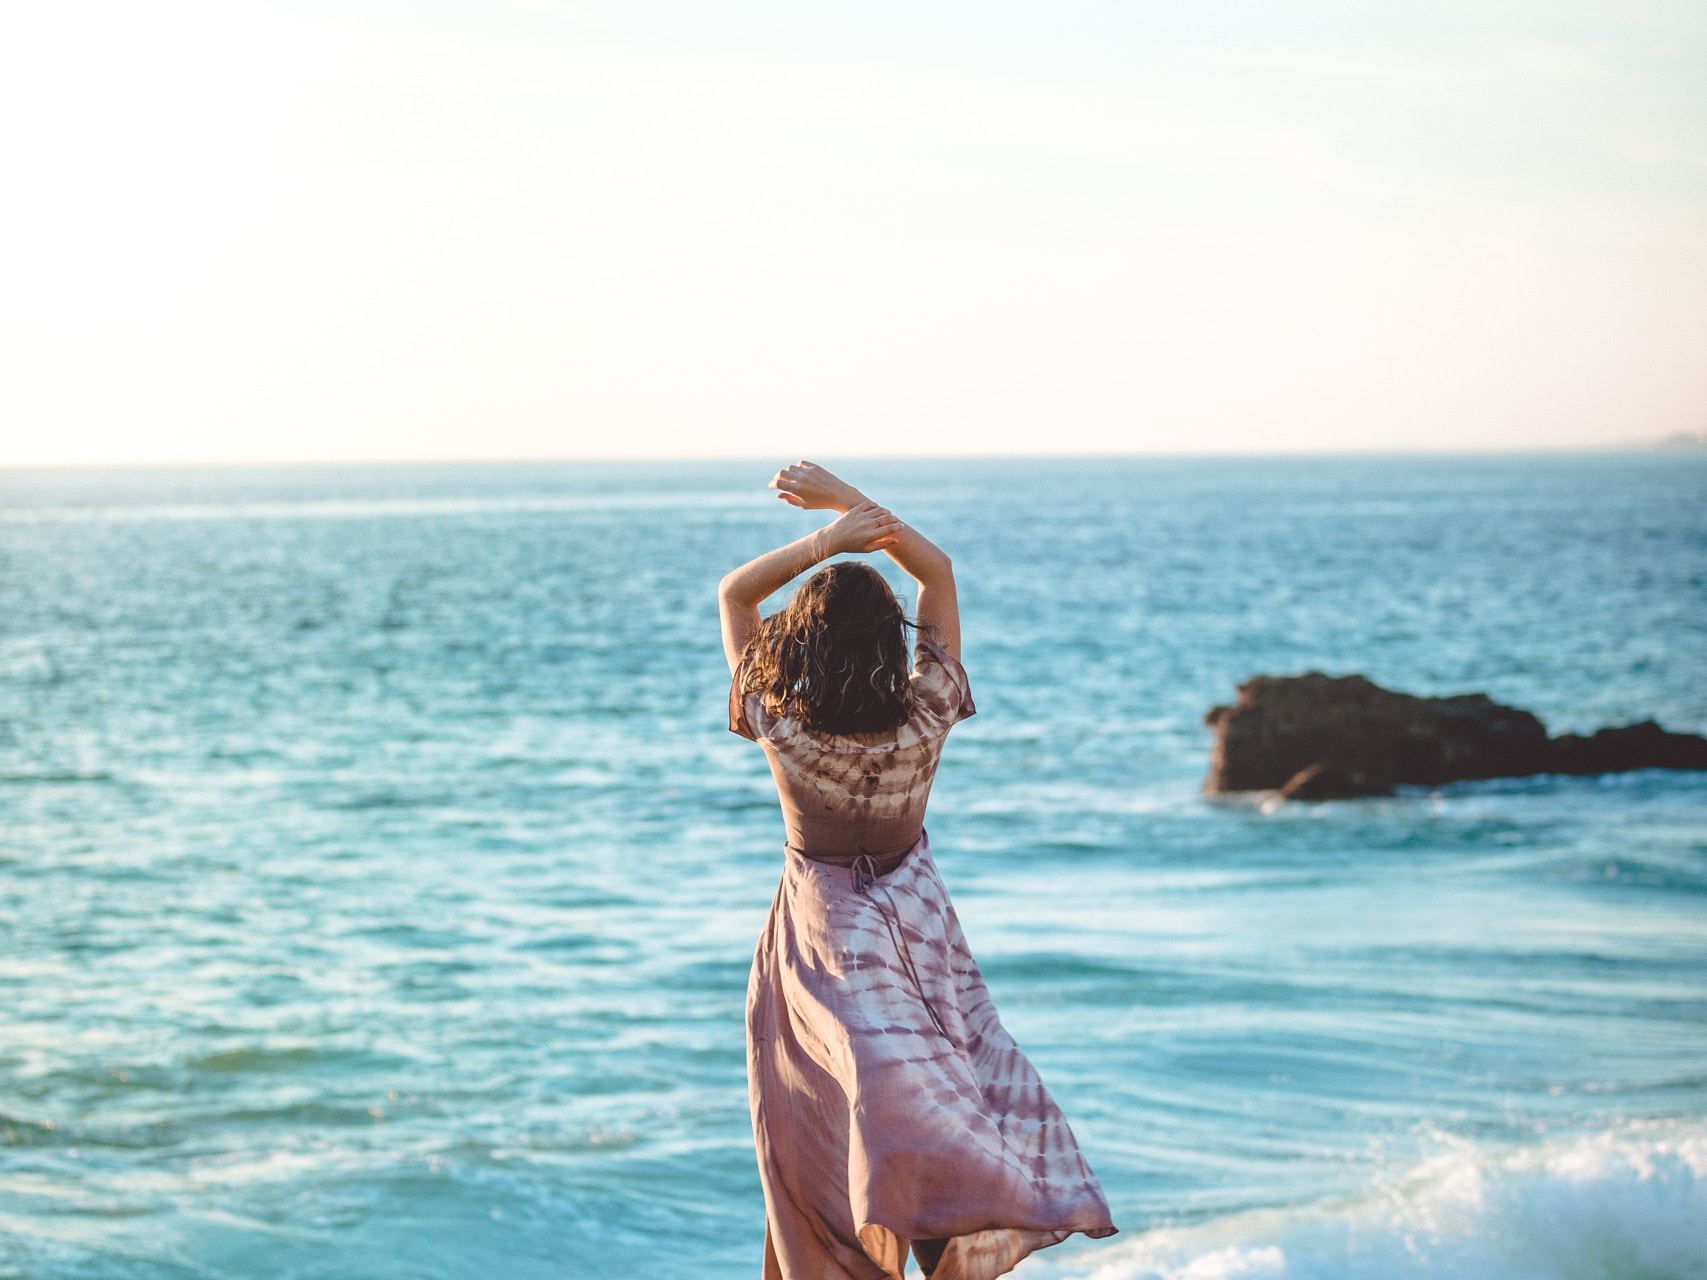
x=1623 y=1204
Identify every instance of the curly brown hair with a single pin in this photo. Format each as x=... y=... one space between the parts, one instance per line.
x=836 y=655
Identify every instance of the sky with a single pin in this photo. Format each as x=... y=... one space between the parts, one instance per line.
x=241 y=231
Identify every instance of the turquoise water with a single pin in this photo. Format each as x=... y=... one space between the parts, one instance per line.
x=378 y=879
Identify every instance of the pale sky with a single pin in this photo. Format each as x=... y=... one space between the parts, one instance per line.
x=428 y=229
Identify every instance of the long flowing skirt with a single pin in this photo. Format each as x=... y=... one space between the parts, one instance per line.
x=891 y=1109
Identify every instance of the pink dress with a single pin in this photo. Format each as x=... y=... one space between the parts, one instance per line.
x=891 y=1109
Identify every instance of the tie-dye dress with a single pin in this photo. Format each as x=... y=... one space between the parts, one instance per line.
x=891 y=1109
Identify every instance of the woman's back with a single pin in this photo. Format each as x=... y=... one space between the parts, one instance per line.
x=845 y=794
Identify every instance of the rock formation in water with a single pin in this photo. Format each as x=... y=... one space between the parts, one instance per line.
x=1320 y=737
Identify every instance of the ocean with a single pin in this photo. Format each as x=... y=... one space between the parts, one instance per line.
x=379 y=879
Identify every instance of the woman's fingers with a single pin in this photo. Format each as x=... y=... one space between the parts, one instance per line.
x=868 y=526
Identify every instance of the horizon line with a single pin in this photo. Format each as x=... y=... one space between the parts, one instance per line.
x=1683 y=443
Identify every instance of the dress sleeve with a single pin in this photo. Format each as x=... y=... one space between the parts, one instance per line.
x=947 y=678
x=738 y=719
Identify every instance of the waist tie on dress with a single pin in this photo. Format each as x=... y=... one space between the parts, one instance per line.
x=865 y=876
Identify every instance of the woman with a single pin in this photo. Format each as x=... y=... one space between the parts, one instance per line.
x=891 y=1110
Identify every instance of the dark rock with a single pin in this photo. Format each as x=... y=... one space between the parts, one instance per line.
x=1330 y=782
x=1366 y=739
x=1643 y=745
x=1282 y=724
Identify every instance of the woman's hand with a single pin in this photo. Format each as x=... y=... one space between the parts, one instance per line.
x=812 y=488
x=862 y=527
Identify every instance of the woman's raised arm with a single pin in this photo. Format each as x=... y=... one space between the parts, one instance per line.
x=813 y=488
x=864 y=527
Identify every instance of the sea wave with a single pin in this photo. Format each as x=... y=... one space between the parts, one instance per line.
x=1620 y=1204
